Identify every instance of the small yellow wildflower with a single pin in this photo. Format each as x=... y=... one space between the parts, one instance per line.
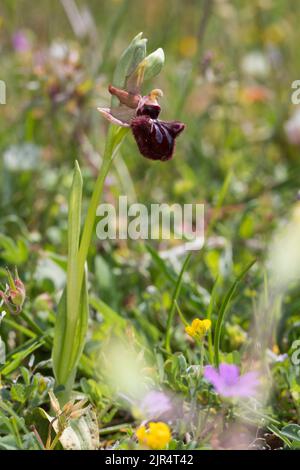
x=274 y=34
x=157 y=436
x=188 y=46
x=198 y=328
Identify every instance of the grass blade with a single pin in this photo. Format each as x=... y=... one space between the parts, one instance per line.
x=174 y=300
x=222 y=313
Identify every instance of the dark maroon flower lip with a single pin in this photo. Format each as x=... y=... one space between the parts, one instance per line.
x=155 y=138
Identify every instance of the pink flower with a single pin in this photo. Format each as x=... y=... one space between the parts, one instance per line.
x=20 y=42
x=155 y=404
x=228 y=382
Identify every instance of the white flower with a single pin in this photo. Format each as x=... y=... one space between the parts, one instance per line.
x=24 y=157
x=255 y=64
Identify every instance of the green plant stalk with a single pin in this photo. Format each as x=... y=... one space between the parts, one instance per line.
x=114 y=139
x=222 y=313
x=209 y=316
x=202 y=351
x=15 y=429
x=173 y=305
x=182 y=317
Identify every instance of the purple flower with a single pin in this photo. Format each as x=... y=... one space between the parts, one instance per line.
x=228 y=382
x=154 y=404
x=20 y=42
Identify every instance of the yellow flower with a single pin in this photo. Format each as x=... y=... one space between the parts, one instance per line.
x=157 y=436
x=275 y=34
x=198 y=328
x=188 y=46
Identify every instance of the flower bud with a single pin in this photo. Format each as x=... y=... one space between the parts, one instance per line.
x=153 y=64
x=129 y=61
x=18 y=294
x=147 y=69
x=14 y=294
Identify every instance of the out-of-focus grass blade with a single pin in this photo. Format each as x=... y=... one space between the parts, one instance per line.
x=161 y=263
x=209 y=316
x=115 y=24
x=220 y=201
x=110 y=315
x=173 y=305
x=223 y=310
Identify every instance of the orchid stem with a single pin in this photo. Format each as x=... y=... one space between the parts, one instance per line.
x=114 y=139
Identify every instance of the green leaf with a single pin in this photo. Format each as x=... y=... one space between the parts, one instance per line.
x=106 y=282
x=109 y=315
x=72 y=316
x=65 y=354
x=18 y=393
x=16 y=359
x=222 y=313
x=13 y=252
x=292 y=432
x=161 y=264
x=74 y=223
